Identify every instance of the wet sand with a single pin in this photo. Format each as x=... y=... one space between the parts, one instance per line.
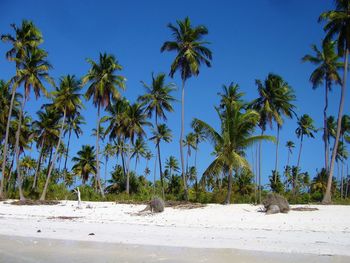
x=28 y=250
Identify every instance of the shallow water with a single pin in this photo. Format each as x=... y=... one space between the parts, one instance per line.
x=22 y=250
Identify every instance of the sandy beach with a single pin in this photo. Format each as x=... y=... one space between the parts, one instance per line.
x=325 y=232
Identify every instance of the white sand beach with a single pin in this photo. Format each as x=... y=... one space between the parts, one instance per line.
x=322 y=232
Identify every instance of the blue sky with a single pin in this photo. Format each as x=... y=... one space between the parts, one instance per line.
x=249 y=39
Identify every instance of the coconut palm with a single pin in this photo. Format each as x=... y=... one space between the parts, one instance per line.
x=189 y=143
x=338 y=27
x=45 y=128
x=85 y=163
x=161 y=133
x=237 y=127
x=66 y=100
x=158 y=97
x=305 y=128
x=290 y=145
x=103 y=83
x=139 y=150
x=172 y=164
x=108 y=151
x=326 y=73
x=74 y=124
x=191 y=52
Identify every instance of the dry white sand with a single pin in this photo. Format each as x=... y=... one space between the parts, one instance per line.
x=322 y=232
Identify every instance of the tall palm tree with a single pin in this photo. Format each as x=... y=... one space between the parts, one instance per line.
x=103 y=83
x=337 y=26
x=26 y=37
x=199 y=137
x=74 y=124
x=189 y=143
x=237 y=127
x=290 y=145
x=66 y=100
x=158 y=98
x=161 y=133
x=191 y=52
x=326 y=73
x=305 y=127
x=85 y=163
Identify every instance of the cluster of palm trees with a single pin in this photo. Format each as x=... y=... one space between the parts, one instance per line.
x=124 y=124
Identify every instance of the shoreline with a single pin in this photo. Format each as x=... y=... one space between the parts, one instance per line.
x=322 y=232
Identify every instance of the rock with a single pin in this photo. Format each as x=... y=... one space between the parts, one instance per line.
x=273 y=209
x=91 y=234
x=39 y=231
x=156 y=205
x=272 y=200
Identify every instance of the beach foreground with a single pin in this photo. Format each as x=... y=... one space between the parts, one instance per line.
x=322 y=233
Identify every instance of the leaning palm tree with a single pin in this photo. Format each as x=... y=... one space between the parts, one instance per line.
x=158 y=97
x=327 y=62
x=66 y=101
x=84 y=163
x=237 y=127
x=337 y=26
x=26 y=37
x=103 y=83
x=305 y=127
x=191 y=52
x=161 y=133
x=290 y=145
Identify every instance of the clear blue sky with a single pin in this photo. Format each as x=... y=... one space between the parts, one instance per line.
x=249 y=39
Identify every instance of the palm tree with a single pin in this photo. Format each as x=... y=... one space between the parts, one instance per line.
x=290 y=145
x=162 y=133
x=85 y=163
x=158 y=98
x=237 y=127
x=326 y=73
x=172 y=164
x=45 y=128
x=108 y=151
x=103 y=83
x=199 y=137
x=189 y=143
x=66 y=101
x=337 y=26
x=139 y=150
x=74 y=124
x=26 y=37
x=191 y=52
x=305 y=127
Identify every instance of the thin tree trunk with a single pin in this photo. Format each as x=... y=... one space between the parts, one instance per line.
x=10 y=173
x=347 y=181
x=52 y=165
x=288 y=157
x=18 y=133
x=106 y=163
x=123 y=163
x=181 y=139
x=325 y=135
x=229 y=187
x=277 y=143
x=37 y=170
x=154 y=175
x=342 y=180
x=67 y=150
x=327 y=199
x=98 y=152
x=256 y=175
x=301 y=146
x=4 y=155
x=128 y=171
x=160 y=170
x=260 y=150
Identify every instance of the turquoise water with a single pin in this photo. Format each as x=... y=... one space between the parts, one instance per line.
x=36 y=250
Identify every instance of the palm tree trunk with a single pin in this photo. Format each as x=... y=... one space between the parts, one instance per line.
x=154 y=175
x=10 y=174
x=160 y=170
x=67 y=150
x=106 y=164
x=181 y=139
x=342 y=180
x=98 y=152
x=4 y=155
x=18 y=133
x=301 y=146
x=325 y=127
x=277 y=143
x=37 y=170
x=52 y=165
x=229 y=187
x=288 y=157
x=347 y=181
x=327 y=199
x=260 y=150
x=128 y=171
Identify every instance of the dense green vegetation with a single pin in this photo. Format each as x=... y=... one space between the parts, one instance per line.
x=122 y=124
